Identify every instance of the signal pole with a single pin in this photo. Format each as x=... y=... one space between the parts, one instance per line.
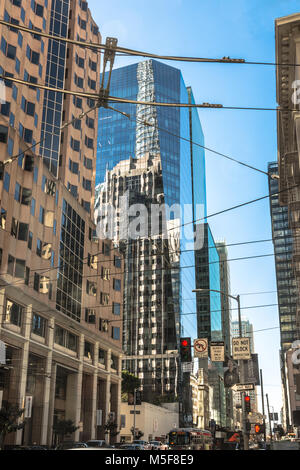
x=263 y=404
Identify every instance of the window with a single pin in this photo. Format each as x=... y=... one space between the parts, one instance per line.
x=42 y=215
x=17 y=192
x=78 y=81
x=16 y=267
x=103 y=325
x=5 y=108
x=101 y=356
x=104 y=298
x=115 y=332
x=105 y=273
x=8 y=50
x=87 y=184
x=19 y=230
x=117 y=284
x=91 y=288
x=92 y=261
x=30 y=239
x=39 y=247
x=73 y=189
x=79 y=61
x=90 y=122
x=38 y=325
x=3 y=134
x=14 y=92
x=27 y=107
x=81 y=23
x=90 y=315
x=37 y=8
x=32 y=56
x=14 y=312
x=118 y=261
x=17 y=3
x=65 y=338
x=89 y=142
x=42 y=284
x=23 y=195
x=105 y=249
x=88 y=350
x=73 y=167
x=77 y=102
x=75 y=144
x=116 y=308
x=86 y=205
x=92 y=83
x=93 y=65
x=76 y=123
x=3 y=214
x=88 y=163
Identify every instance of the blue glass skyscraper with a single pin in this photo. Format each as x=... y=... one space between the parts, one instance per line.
x=175 y=135
x=183 y=164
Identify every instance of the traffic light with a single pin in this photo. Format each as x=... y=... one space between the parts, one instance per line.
x=259 y=428
x=247 y=402
x=185 y=350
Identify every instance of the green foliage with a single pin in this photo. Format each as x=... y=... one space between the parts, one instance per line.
x=137 y=434
x=129 y=382
x=9 y=416
x=63 y=427
x=159 y=399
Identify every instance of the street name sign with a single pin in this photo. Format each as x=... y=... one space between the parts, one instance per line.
x=201 y=347
x=241 y=348
x=217 y=351
x=242 y=387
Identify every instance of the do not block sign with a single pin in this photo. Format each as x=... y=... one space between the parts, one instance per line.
x=241 y=348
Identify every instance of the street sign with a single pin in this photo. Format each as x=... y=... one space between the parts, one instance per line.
x=28 y=407
x=241 y=348
x=242 y=387
x=201 y=347
x=217 y=351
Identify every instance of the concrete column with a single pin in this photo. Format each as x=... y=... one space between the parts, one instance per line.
x=73 y=402
x=51 y=403
x=94 y=393
x=47 y=384
x=2 y=308
x=26 y=328
x=108 y=397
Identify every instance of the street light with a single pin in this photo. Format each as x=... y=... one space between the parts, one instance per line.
x=237 y=299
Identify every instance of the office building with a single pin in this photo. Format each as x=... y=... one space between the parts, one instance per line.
x=182 y=179
x=288 y=137
x=62 y=289
x=285 y=278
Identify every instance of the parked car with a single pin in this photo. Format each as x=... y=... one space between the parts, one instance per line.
x=132 y=447
x=142 y=443
x=98 y=443
x=158 y=445
x=70 y=445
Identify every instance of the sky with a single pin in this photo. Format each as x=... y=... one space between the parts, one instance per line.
x=214 y=29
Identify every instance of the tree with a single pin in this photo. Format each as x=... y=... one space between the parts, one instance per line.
x=9 y=416
x=137 y=433
x=63 y=427
x=111 y=428
x=129 y=382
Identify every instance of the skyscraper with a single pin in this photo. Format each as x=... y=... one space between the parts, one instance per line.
x=287 y=291
x=62 y=352
x=182 y=169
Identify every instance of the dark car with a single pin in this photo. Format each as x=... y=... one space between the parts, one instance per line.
x=70 y=445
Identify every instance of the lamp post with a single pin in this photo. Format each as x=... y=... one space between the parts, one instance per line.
x=237 y=299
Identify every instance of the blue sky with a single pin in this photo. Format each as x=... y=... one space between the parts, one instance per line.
x=218 y=28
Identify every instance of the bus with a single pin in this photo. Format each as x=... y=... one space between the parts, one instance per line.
x=190 y=438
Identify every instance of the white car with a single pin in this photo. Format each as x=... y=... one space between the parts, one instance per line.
x=157 y=445
x=145 y=444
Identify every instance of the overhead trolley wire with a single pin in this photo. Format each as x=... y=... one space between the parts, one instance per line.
x=132 y=52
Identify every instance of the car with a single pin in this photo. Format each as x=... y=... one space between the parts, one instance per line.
x=158 y=445
x=97 y=443
x=142 y=443
x=33 y=447
x=70 y=445
x=132 y=447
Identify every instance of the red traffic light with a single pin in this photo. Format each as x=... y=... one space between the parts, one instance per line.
x=184 y=342
x=247 y=398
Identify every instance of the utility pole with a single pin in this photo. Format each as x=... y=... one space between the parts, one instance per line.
x=242 y=379
x=270 y=423
x=263 y=404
